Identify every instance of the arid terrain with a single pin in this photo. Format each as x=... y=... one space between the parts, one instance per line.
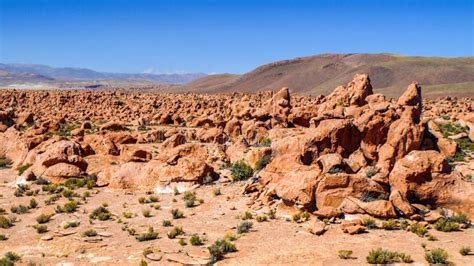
x=272 y=177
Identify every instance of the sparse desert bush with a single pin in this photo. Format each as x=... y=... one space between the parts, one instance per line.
x=459 y=217
x=146 y=213
x=176 y=231
x=20 y=209
x=33 y=204
x=271 y=214
x=431 y=237
x=261 y=218
x=189 y=203
x=196 y=240
x=3 y=237
x=52 y=199
x=149 y=235
x=5 y=162
x=128 y=215
x=141 y=200
x=167 y=223
x=44 y=218
x=2 y=211
x=75 y=183
x=296 y=217
x=5 y=222
x=344 y=254
x=101 y=213
x=216 y=191
x=41 y=228
x=437 y=256
x=265 y=142
x=177 y=213
x=244 y=227
x=444 y=225
x=382 y=256
x=89 y=233
x=9 y=259
x=220 y=248
x=72 y=224
x=240 y=171
x=464 y=251
x=182 y=242
x=247 y=216
x=264 y=161
x=418 y=229
x=70 y=206
x=390 y=224
x=230 y=236
x=23 y=168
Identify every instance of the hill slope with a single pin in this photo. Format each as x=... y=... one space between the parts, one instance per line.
x=37 y=72
x=320 y=74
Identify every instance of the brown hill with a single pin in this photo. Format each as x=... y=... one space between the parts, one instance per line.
x=390 y=74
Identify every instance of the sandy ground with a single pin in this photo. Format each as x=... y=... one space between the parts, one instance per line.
x=277 y=241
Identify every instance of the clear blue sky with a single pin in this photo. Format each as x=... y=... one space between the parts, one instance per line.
x=225 y=35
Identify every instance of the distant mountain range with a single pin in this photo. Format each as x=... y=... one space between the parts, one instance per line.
x=390 y=74
x=19 y=73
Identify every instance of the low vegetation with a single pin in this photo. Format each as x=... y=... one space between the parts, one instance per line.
x=240 y=171
x=220 y=248
x=382 y=256
x=151 y=234
x=437 y=256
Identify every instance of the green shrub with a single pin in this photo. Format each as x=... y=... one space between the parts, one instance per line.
x=196 y=240
x=176 y=231
x=146 y=213
x=128 y=215
x=141 y=200
x=52 y=199
x=247 y=216
x=177 y=213
x=167 y=223
x=444 y=225
x=41 y=228
x=9 y=258
x=432 y=238
x=89 y=233
x=5 y=162
x=189 y=203
x=265 y=142
x=464 y=251
x=71 y=224
x=188 y=195
x=296 y=217
x=44 y=218
x=261 y=218
x=390 y=224
x=370 y=223
x=437 y=256
x=459 y=217
x=5 y=222
x=240 y=171
x=20 y=209
x=3 y=237
x=70 y=206
x=418 y=229
x=271 y=214
x=75 y=183
x=149 y=235
x=262 y=162
x=244 y=227
x=381 y=256
x=216 y=191
x=220 y=248
x=33 y=204
x=344 y=254
x=182 y=242
x=23 y=168
x=101 y=213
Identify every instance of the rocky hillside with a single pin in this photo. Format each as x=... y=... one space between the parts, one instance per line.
x=320 y=74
